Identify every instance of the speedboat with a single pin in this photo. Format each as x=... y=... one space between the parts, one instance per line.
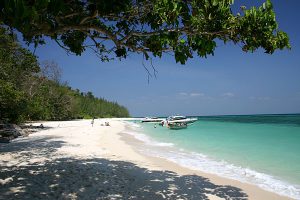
x=180 y=119
x=177 y=122
x=176 y=125
x=151 y=119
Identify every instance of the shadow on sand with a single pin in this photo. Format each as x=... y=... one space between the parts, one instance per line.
x=97 y=178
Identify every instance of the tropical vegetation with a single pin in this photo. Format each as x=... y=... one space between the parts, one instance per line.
x=114 y=28
x=33 y=91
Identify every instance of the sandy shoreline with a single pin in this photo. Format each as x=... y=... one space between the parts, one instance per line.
x=73 y=160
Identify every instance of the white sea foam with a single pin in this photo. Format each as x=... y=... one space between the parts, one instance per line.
x=201 y=162
x=132 y=124
x=144 y=138
x=197 y=161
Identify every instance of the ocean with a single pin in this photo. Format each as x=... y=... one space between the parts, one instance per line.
x=263 y=150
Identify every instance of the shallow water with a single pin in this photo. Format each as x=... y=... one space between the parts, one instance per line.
x=258 y=149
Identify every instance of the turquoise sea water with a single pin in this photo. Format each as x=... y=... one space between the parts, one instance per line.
x=259 y=149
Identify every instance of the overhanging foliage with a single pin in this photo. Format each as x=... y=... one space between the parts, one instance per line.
x=150 y=27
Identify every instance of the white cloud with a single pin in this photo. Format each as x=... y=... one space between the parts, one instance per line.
x=228 y=94
x=197 y=94
x=183 y=94
x=192 y=94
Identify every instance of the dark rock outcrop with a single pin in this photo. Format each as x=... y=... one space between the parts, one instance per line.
x=11 y=131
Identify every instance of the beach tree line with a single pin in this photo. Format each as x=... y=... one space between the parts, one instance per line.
x=114 y=28
x=33 y=91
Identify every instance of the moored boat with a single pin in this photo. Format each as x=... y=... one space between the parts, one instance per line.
x=177 y=125
x=177 y=122
x=151 y=119
x=180 y=119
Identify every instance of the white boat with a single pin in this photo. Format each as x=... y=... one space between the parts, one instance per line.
x=152 y=119
x=180 y=119
x=177 y=126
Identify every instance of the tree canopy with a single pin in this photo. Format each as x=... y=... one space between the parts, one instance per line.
x=151 y=27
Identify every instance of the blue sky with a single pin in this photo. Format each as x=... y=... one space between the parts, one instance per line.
x=231 y=82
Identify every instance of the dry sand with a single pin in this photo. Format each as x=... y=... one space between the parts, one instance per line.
x=73 y=160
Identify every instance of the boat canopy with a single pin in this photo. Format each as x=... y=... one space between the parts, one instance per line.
x=176 y=117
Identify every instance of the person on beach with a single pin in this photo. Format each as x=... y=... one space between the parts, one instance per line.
x=93 y=121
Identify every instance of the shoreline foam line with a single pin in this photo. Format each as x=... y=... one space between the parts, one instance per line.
x=200 y=162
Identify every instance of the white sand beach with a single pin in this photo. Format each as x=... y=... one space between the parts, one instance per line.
x=73 y=160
